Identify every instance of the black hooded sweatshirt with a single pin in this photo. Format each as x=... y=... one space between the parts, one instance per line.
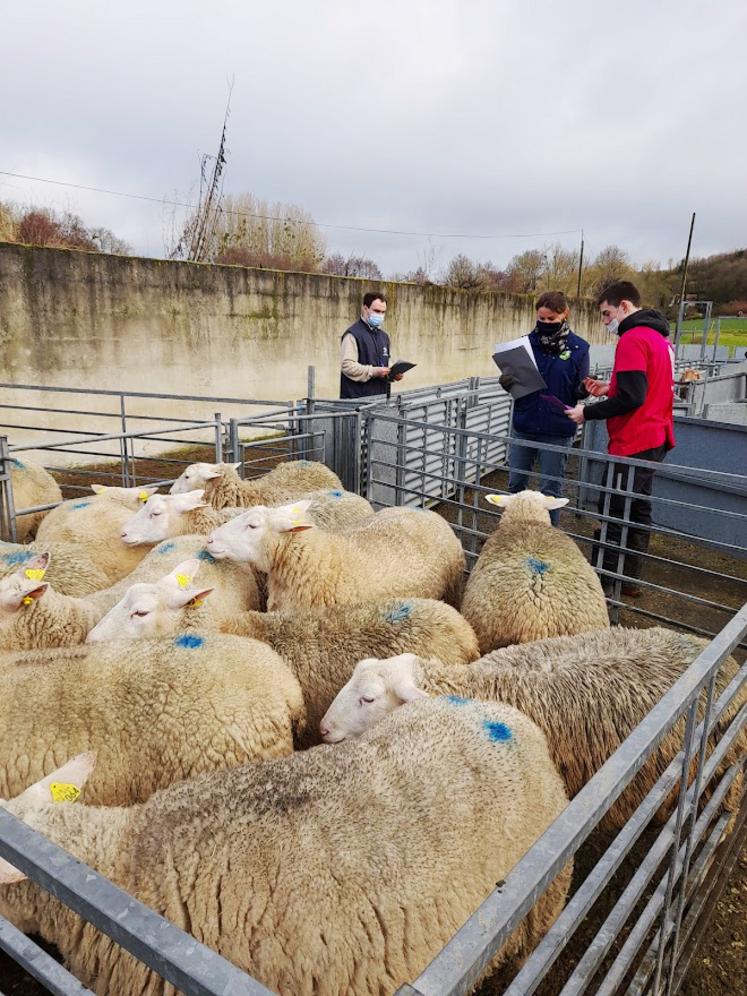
x=632 y=385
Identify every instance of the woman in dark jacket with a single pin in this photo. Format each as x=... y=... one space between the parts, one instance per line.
x=562 y=358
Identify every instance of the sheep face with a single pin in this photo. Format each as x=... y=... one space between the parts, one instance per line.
x=157 y=520
x=526 y=506
x=23 y=586
x=196 y=476
x=253 y=536
x=62 y=785
x=152 y=609
x=376 y=688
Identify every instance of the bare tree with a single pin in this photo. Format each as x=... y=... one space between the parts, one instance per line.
x=352 y=266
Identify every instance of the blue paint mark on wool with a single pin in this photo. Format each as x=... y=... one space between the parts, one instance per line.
x=537 y=566
x=497 y=732
x=456 y=700
x=17 y=464
x=166 y=547
x=17 y=557
x=190 y=641
x=399 y=613
x=336 y=493
x=80 y=504
x=206 y=556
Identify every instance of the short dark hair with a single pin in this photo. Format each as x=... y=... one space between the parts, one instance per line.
x=371 y=296
x=620 y=290
x=554 y=300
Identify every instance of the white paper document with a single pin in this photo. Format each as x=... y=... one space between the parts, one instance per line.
x=516 y=359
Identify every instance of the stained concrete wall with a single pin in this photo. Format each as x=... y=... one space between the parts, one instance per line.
x=94 y=320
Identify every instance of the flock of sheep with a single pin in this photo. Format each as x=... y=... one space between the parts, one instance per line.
x=301 y=740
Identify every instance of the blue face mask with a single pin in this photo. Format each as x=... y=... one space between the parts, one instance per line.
x=375 y=320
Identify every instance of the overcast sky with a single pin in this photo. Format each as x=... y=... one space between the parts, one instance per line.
x=475 y=118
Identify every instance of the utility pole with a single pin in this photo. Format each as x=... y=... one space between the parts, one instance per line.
x=580 y=266
x=681 y=309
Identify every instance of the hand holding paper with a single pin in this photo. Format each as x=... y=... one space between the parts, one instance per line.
x=515 y=359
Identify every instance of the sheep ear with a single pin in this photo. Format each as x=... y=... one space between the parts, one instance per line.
x=501 y=500
x=184 y=572
x=34 y=594
x=189 y=500
x=553 y=503
x=38 y=563
x=210 y=475
x=235 y=466
x=62 y=785
x=98 y=489
x=405 y=689
x=292 y=518
x=8 y=874
x=187 y=596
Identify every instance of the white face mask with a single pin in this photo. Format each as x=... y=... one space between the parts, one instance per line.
x=613 y=326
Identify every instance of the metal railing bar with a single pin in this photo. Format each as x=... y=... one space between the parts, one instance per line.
x=175 y=955
x=586 y=895
x=141 y=394
x=38 y=964
x=592 y=958
x=106 y=437
x=88 y=414
x=460 y=963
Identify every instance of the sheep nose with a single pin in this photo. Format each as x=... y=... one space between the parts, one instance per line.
x=324 y=731
x=123 y=534
x=209 y=540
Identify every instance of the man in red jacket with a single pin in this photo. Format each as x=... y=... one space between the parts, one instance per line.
x=638 y=410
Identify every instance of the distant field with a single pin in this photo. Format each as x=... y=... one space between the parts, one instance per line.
x=733 y=331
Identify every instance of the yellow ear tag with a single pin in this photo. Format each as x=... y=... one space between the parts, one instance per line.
x=195 y=603
x=143 y=496
x=27 y=600
x=183 y=580
x=34 y=573
x=64 y=792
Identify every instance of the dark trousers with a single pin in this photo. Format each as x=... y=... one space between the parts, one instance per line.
x=640 y=512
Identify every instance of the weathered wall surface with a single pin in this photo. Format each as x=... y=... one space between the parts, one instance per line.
x=90 y=320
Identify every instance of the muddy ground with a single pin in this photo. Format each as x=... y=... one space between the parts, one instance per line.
x=719 y=967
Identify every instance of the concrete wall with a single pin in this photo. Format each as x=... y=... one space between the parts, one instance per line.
x=91 y=320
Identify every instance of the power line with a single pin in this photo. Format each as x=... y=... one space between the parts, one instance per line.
x=266 y=217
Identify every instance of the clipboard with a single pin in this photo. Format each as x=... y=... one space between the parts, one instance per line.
x=517 y=359
x=400 y=367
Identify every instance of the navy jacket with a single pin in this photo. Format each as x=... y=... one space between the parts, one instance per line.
x=373 y=350
x=563 y=377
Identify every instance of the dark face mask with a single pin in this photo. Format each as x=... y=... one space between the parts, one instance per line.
x=549 y=328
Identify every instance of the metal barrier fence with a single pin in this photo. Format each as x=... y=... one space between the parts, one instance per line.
x=446 y=448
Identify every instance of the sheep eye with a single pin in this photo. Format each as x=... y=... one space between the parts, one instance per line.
x=367 y=701
x=141 y=613
x=250 y=525
x=154 y=514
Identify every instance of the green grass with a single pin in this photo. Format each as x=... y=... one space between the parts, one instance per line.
x=733 y=331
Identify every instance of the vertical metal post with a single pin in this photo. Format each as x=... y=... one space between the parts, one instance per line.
x=580 y=267
x=123 y=448
x=234 y=445
x=691 y=835
x=706 y=325
x=681 y=309
x=715 y=340
x=310 y=389
x=218 y=437
x=7 y=505
x=665 y=909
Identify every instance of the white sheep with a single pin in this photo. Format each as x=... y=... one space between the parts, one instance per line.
x=587 y=693
x=71 y=571
x=336 y=870
x=531 y=581
x=321 y=646
x=155 y=711
x=33 y=615
x=285 y=482
x=94 y=525
x=32 y=485
x=166 y=516
x=397 y=552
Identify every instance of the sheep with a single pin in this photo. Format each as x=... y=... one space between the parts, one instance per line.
x=71 y=571
x=334 y=871
x=285 y=482
x=148 y=602
x=321 y=646
x=32 y=485
x=397 y=552
x=33 y=615
x=587 y=693
x=155 y=711
x=165 y=516
x=531 y=581
x=94 y=525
